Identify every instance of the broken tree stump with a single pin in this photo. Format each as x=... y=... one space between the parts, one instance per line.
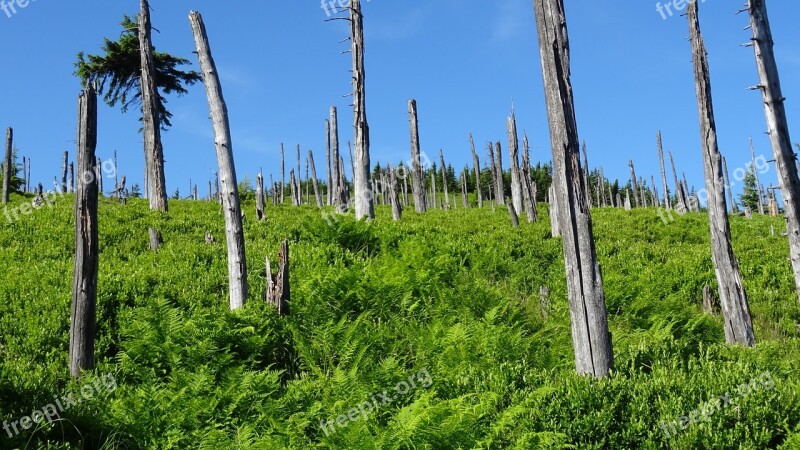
x=277 y=290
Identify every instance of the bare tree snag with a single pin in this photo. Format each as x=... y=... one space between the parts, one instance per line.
x=586 y=175
x=84 y=286
x=317 y=193
x=527 y=187
x=709 y=300
x=72 y=177
x=777 y=123
x=735 y=308
x=551 y=196
x=364 y=203
x=634 y=184
x=755 y=174
x=237 y=263
x=590 y=335
x=433 y=188
x=493 y=171
x=464 y=200
x=260 y=196
x=444 y=180
x=417 y=183
x=7 y=165
x=151 y=121
x=732 y=203
x=500 y=189
x=667 y=203
x=513 y=153
x=476 y=163
x=64 y=173
x=682 y=203
x=397 y=209
x=283 y=175
x=155 y=239
x=277 y=292
x=513 y=214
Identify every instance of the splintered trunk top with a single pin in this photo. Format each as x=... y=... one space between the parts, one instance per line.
x=738 y=326
x=590 y=335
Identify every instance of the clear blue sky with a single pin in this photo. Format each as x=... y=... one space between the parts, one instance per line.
x=463 y=62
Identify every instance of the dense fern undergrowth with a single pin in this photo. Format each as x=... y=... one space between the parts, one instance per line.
x=441 y=313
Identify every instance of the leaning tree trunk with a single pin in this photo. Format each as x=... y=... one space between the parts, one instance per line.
x=7 y=165
x=738 y=326
x=364 y=203
x=513 y=153
x=477 y=168
x=591 y=338
x=667 y=203
x=778 y=126
x=237 y=264
x=417 y=183
x=151 y=121
x=317 y=193
x=84 y=285
x=683 y=206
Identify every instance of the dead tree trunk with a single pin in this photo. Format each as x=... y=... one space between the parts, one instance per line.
x=293 y=188
x=667 y=203
x=634 y=184
x=444 y=180
x=738 y=326
x=72 y=177
x=317 y=193
x=500 y=190
x=64 y=172
x=155 y=239
x=84 y=286
x=728 y=185
x=283 y=175
x=527 y=188
x=586 y=175
x=591 y=338
x=417 y=183
x=260 y=196
x=336 y=168
x=151 y=121
x=433 y=188
x=328 y=167
x=513 y=215
x=513 y=153
x=778 y=126
x=464 y=200
x=7 y=165
x=682 y=203
x=237 y=264
x=493 y=171
x=551 y=197
x=758 y=182
x=277 y=292
x=364 y=203
x=477 y=168
x=397 y=209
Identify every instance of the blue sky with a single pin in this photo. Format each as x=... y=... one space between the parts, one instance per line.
x=463 y=61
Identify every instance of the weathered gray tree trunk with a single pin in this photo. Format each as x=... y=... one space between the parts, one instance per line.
x=552 y=198
x=590 y=335
x=317 y=193
x=513 y=215
x=433 y=188
x=464 y=200
x=293 y=188
x=500 y=190
x=586 y=175
x=277 y=291
x=364 y=202
x=778 y=128
x=328 y=166
x=155 y=239
x=758 y=182
x=7 y=165
x=738 y=326
x=84 y=285
x=731 y=202
x=260 y=196
x=237 y=264
x=493 y=172
x=634 y=184
x=476 y=163
x=527 y=186
x=64 y=172
x=667 y=203
x=72 y=177
x=336 y=168
x=283 y=175
x=417 y=183
x=397 y=209
x=444 y=180
x=99 y=175
x=682 y=203
x=151 y=121
x=513 y=153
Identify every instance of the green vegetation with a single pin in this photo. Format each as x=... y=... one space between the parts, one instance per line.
x=454 y=293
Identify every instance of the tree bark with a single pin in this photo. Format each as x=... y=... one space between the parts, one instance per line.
x=591 y=338
x=667 y=202
x=7 y=165
x=444 y=180
x=493 y=171
x=328 y=167
x=260 y=196
x=728 y=185
x=64 y=173
x=738 y=326
x=527 y=188
x=151 y=121
x=513 y=215
x=417 y=183
x=778 y=126
x=464 y=200
x=397 y=209
x=586 y=175
x=476 y=163
x=277 y=291
x=364 y=202
x=84 y=286
x=513 y=153
x=237 y=264
x=500 y=189
x=682 y=203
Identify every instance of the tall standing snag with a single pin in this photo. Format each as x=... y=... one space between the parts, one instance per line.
x=590 y=335
x=513 y=153
x=417 y=183
x=738 y=326
x=667 y=203
x=7 y=165
x=151 y=121
x=237 y=264
x=84 y=285
x=477 y=167
x=770 y=85
x=260 y=196
x=314 y=181
x=363 y=195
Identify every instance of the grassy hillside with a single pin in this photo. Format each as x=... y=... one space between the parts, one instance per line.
x=432 y=328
